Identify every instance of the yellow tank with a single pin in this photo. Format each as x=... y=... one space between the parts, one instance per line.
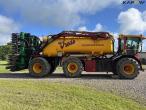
x=78 y=45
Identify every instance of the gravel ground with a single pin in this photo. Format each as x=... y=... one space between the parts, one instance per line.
x=134 y=89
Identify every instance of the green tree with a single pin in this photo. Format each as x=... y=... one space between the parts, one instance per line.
x=5 y=50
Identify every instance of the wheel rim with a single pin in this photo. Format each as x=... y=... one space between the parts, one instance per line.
x=37 y=68
x=72 y=67
x=129 y=69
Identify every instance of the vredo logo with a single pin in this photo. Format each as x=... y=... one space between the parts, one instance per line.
x=134 y=2
x=66 y=44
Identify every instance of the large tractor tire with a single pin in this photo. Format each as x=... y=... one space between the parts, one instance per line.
x=72 y=67
x=127 y=68
x=39 y=67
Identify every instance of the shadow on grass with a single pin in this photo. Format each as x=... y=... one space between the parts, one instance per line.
x=56 y=76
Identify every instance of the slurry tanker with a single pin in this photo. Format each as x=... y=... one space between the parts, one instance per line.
x=76 y=51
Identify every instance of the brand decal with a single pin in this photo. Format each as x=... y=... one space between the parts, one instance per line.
x=66 y=44
x=135 y=2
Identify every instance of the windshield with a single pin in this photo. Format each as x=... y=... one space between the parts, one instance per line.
x=132 y=43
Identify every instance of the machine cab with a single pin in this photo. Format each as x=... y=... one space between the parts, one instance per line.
x=130 y=44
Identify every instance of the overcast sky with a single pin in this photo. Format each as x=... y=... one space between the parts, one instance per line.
x=42 y=17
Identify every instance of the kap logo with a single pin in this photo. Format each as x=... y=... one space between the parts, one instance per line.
x=66 y=44
x=134 y=2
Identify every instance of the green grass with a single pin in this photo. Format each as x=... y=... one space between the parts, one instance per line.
x=43 y=95
x=3 y=69
x=3 y=62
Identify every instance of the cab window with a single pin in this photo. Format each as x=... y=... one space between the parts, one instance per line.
x=132 y=43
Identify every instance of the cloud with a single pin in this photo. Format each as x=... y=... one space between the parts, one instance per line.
x=132 y=21
x=97 y=28
x=83 y=28
x=7 y=26
x=60 y=13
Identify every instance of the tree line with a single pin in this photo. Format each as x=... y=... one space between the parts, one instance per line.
x=5 y=50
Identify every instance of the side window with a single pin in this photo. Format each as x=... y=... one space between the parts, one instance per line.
x=129 y=43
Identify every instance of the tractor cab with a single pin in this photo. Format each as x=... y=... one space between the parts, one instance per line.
x=130 y=44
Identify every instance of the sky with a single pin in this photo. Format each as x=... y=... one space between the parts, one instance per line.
x=43 y=17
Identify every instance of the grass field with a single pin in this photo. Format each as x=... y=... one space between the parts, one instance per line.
x=43 y=95
x=4 y=70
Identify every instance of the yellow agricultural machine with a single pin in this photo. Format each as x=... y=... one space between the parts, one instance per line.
x=76 y=52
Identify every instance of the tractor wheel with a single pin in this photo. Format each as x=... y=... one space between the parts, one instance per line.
x=72 y=67
x=127 y=68
x=39 y=67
